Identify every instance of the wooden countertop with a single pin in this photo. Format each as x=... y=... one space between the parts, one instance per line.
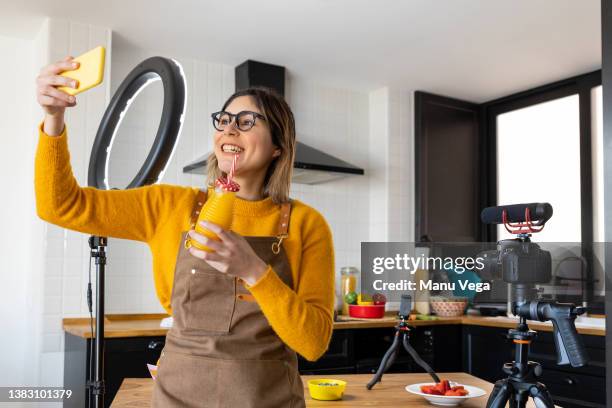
x=136 y=392
x=144 y=325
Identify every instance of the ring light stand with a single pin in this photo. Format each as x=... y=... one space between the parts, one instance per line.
x=150 y=70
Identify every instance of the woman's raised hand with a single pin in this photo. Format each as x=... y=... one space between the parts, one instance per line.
x=53 y=101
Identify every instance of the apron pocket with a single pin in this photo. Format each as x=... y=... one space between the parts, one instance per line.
x=256 y=384
x=186 y=381
x=212 y=299
x=190 y=381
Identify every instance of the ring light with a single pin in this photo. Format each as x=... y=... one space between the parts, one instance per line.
x=171 y=73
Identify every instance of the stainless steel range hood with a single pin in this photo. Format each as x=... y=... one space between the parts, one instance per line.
x=312 y=166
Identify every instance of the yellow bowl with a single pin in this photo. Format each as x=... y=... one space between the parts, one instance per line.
x=326 y=392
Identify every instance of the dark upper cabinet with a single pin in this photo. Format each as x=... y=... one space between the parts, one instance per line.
x=448 y=153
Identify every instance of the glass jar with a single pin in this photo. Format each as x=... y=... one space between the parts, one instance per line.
x=349 y=276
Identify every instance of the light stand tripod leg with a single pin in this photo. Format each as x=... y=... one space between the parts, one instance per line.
x=99 y=358
x=386 y=362
x=96 y=385
x=418 y=359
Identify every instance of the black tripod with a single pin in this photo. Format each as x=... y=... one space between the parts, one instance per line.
x=401 y=330
x=524 y=264
x=522 y=381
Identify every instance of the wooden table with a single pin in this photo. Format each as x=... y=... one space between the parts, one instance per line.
x=136 y=392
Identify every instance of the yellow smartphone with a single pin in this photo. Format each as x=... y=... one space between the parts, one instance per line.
x=89 y=73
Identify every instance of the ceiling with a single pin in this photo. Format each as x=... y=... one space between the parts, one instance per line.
x=476 y=50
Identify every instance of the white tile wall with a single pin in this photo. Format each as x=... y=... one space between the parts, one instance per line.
x=130 y=280
x=335 y=121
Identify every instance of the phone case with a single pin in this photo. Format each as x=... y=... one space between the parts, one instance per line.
x=89 y=73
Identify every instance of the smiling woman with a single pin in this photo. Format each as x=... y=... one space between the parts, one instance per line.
x=266 y=290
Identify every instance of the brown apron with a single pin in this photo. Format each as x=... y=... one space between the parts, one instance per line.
x=221 y=351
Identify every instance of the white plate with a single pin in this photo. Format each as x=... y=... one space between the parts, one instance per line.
x=443 y=400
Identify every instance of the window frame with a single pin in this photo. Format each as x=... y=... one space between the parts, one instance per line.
x=580 y=85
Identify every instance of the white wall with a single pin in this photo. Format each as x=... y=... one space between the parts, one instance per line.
x=18 y=243
x=391 y=165
x=378 y=164
x=401 y=166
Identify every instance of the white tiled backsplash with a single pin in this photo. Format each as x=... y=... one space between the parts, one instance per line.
x=337 y=121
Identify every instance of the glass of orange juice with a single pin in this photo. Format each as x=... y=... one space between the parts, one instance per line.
x=218 y=209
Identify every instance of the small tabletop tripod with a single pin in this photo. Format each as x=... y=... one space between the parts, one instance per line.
x=401 y=330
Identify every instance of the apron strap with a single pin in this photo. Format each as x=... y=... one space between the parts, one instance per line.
x=283 y=223
x=283 y=226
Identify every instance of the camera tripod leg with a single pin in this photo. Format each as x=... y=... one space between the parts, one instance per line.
x=391 y=359
x=418 y=359
x=541 y=396
x=386 y=362
x=500 y=394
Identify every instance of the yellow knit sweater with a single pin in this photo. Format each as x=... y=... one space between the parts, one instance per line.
x=302 y=316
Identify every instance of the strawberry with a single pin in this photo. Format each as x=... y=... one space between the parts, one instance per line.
x=451 y=393
x=426 y=389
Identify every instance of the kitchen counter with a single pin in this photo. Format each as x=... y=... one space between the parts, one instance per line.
x=136 y=392
x=143 y=325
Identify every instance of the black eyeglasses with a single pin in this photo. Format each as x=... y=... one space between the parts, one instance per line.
x=245 y=120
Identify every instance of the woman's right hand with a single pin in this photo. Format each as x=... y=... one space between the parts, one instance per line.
x=52 y=100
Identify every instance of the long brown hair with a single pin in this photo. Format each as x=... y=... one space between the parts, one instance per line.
x=282 y=128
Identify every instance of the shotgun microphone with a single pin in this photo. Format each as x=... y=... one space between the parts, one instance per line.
x=539 y=213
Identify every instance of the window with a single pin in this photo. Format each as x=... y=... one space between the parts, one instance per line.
x=538 y=160
x=542 y=146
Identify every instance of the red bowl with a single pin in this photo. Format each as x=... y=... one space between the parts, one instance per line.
x=367 y=311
